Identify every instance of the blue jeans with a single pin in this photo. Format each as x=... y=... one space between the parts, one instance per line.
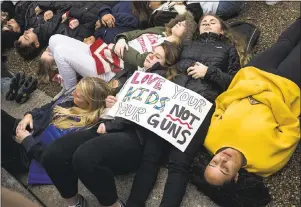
x=227 y=9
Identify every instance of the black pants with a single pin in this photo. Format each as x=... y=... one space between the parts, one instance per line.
x=283 y=58
x=94 y=159
x=13 y=155
x=178 y=168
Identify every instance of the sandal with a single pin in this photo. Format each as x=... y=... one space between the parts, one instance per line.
x=29 y=86
x=16 y=82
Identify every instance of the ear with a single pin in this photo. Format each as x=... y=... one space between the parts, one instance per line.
x=236 y=177
x=37 y=44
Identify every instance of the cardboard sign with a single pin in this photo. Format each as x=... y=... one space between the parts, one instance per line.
x=165 y=108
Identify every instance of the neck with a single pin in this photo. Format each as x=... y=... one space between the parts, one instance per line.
x=172 y=38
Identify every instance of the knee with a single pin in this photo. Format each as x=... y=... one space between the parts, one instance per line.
x=51 y=157
x=82 y=162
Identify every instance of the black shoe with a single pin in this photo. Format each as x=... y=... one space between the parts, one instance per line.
x=16 y=82
x=29 y=86
x=81 y=201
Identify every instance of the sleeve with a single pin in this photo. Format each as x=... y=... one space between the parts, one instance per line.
x=223 y=79
x=47 y=29
x=104 y=10
x=33 y=147
x=128 y=36
x=196 y=10
x=57 y=7
x=42 y=110
x=117 y=124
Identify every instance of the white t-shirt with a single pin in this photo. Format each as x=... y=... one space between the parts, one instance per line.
x=209 y=7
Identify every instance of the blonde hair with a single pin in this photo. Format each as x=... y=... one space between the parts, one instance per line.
x=237 y=40
x=94 y=90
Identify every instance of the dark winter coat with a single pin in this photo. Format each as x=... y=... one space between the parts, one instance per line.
x=125 y=21
x=215 y=52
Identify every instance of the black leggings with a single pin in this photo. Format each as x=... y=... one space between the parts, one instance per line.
x=283 y=58
x=94 y=159
x=178 y=168
x=13 y=155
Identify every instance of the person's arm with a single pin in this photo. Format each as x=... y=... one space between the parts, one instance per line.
x=42 y=110
x=33 y=147
x=223 y=79
x=128 y=36
x=117 y=124
x=46 y=30
x=57 y=7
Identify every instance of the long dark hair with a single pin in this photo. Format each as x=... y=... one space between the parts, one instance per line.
x=249 y=191
x=143 y=12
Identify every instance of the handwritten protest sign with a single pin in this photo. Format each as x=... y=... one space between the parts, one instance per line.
x=167 y=109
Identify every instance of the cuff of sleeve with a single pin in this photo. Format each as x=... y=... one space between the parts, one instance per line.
x=67 y=13
x=104 y=12
x=209 y=72
x=29 y=142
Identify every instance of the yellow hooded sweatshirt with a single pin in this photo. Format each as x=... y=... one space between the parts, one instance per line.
x=257 y=115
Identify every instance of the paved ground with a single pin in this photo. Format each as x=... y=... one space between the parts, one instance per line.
x=284 y=185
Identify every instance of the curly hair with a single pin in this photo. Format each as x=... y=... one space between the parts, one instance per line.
x=27 y=52
x=189 y=22
x=249 y=191
x=237 y=40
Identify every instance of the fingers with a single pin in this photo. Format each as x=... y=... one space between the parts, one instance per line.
x=31 y=124
x=195 y=76
x=126 y=47
x=101 y=129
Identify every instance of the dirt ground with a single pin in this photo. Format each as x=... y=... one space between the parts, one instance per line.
x=271 y=21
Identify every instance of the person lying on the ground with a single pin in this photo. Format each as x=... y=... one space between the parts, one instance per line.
x=223 y=9
x=223 y=64
x=88 y=61
x=255 y=128
x=163 y=11
x=34 y=40
x=76 y=110
x=122 y=17
x=29 y=14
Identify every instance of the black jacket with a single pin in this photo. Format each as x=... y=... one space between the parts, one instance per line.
x=215 y=52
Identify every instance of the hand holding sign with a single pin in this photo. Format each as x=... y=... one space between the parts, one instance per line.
x=169 y=110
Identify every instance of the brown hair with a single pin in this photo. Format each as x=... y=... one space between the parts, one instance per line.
x=171 y=51
x=190 y=25
x=143 y=12
x=43 y=71
x=239 y=42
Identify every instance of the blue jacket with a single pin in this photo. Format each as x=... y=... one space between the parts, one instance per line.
x=125 y=21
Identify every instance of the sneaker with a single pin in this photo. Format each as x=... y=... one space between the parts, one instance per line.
x=29 y=86
x=81 y=201
x=16 y=82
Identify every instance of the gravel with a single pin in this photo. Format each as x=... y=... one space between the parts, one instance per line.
x=271 y=21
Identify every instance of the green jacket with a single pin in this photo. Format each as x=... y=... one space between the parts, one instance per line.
x=132 y=56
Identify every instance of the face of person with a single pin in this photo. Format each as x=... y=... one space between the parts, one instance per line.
x=47 y=55
x=28 y=38
x=79 y=100
x=210 y=24
x=158 y=55
x=179 y=29
x=223 y=167
x=154 y=4
x=11 y=25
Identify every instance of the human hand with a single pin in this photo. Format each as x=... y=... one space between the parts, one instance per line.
x=198 y=70
x=101 y=129
x=108 y=20
x=110 y=101
x=27 y=120
x=37 y=10
x=21 y=135
x=111 y=45
x=89 y=40
x=97 y=25
x=64 y=18
x=48 y=15
x=119 y=47
x=73 y=23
